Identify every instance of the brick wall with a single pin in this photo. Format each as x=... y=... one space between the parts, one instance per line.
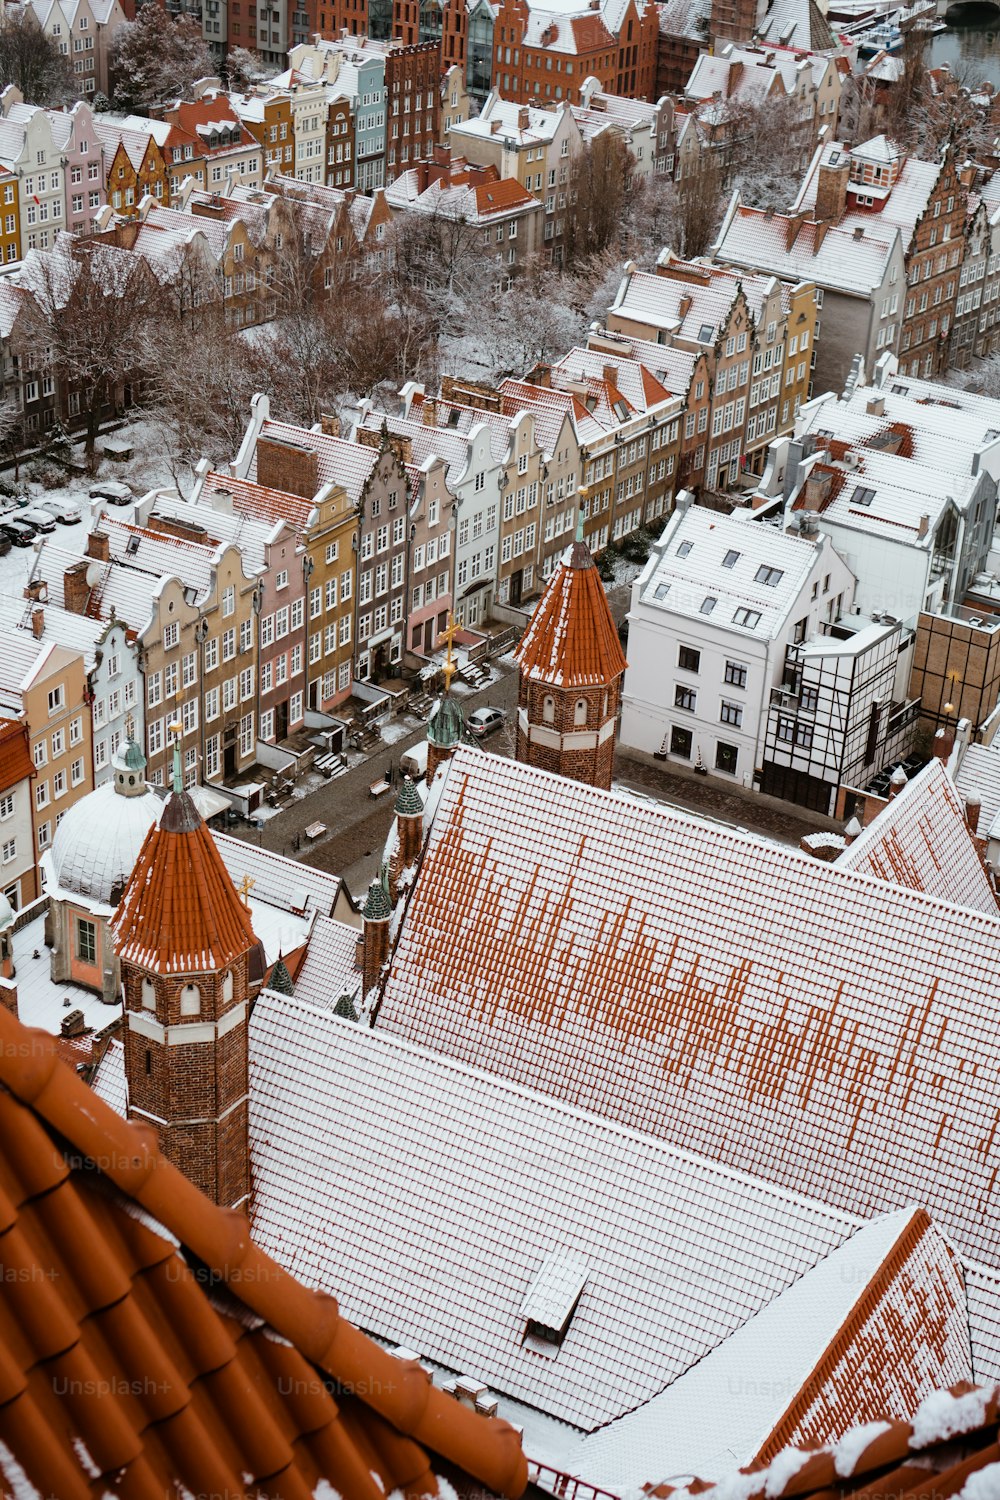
x=288 y=467
x=592 y=764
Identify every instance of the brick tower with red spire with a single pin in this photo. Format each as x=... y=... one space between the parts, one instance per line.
x=571 y=667
x=190 y=964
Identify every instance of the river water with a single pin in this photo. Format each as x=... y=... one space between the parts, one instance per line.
x=971 y=45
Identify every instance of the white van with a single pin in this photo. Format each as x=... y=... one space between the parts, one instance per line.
x=413 y=762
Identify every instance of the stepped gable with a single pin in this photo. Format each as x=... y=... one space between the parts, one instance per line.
x=180 y=913
x=571 y=640
x=202 y=1367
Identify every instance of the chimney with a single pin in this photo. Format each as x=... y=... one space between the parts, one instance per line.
x=329 y=424
x=38 y=622
x=897 y=781
x=99 y=546
x=973 y=807
x=876 y=406
x=684 y=306
x=816 y=491
x=609 y=374
x=923 y=526
x=37 y=591
x=944 y=742
x=851 y=831
x=523 y=118
x=428 y=412
x=831 y=192
x=287 y=466
x=76 y=589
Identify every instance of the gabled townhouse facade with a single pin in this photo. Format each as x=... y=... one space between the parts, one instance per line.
x=646 y=129
x=18 y=868
x=34 y=159
x=134 y=164
x=757 y=336
x=83 y=30
x=927 y=201
x=268 y=119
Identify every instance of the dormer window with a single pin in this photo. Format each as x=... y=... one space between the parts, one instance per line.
x=550 y=1303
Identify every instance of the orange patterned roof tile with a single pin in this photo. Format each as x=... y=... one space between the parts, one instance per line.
x=571 y=640
x=180 y=913
x=15 y=757
x=148 y=1348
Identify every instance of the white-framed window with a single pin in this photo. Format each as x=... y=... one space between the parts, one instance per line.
x=55 y=699
x=171 y=635
x=7 y=806
x=8 y=851
x=228 y=601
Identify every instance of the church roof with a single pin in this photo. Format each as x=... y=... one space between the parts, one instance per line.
x=921 y=839
x=201 y=1366
x=445 y=723
x=180 y=913
x=497 y=1206
x=571 y=640
x=814 y=1025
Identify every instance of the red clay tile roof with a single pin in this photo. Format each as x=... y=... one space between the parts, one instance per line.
x=500 y=197
x=149 y=1349
x=260 y=501
x=15 y=758
x=180 y=913
x=951 y=1436
x=571 y=640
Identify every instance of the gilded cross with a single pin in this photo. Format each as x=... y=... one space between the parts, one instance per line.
x=245 y=886
x=448 y=636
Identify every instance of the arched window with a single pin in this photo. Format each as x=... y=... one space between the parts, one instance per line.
x=227 y=986
x=148 y=995
x=580 y=711
x=190 y=1000
x=549 y=709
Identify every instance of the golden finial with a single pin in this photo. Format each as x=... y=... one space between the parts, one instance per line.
x=245 y=886
x=129 y=726
x=450 y=665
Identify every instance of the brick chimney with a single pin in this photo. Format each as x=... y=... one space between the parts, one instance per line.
x=973 y=808
x=38 y=622
x=523 y=118
x=851 y=831
x=287 y=466
x=428 y=412
x=37 y=591
x=897 y=781
x=99 y=546
x=816 y=490
x=923 y=526
x=944 y=742
x=330 y=424
x=831 y=191
x=876 y=406
x=76 y=589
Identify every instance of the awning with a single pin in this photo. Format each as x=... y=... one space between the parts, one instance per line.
x=208 y=801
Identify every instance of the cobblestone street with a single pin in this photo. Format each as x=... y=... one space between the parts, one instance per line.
x=358 y=826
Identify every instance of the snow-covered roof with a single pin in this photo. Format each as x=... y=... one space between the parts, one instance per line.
x=428 y=1197
x=97 y=844
x=754 y=573
x=808 y=1023
x=691 y=307
x=339 y=461
x=831 y=255
x=896 y=1272
x=329 y=969
x=921 y=840
x=903 y=204
x=978 y=775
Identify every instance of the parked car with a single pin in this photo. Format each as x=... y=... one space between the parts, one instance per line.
x=484 y=721
x=21 y=533
x=4 y=544
x=42 y=520
x=111 y=490
x=413 y=762
x=66 y=511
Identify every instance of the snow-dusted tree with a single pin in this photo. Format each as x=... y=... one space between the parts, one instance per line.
x=767 y=143
x=535 y=321
x=653 y=216
x=31 y=60
x=700 y=201
x=155 y=57
x=11 y=427
x=441 y=270
x=244 y=68
x=90 y=318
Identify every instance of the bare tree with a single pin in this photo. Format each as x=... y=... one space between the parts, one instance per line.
x=155 y=57
x=700 y=203
x=533 y=322
x=31 y=60
x=597 y=193
x=89 y=320
x=441 y=269
x=11 y=428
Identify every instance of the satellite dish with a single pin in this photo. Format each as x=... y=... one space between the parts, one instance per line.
x=94 y=573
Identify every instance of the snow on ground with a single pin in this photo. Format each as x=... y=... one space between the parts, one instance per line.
x=42 y=1003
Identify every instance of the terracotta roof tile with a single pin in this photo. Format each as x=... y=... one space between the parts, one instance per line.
x=148 y=1348
x=951 y=1436
x=15 y=757
x=571 y=640
x=180 y=912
